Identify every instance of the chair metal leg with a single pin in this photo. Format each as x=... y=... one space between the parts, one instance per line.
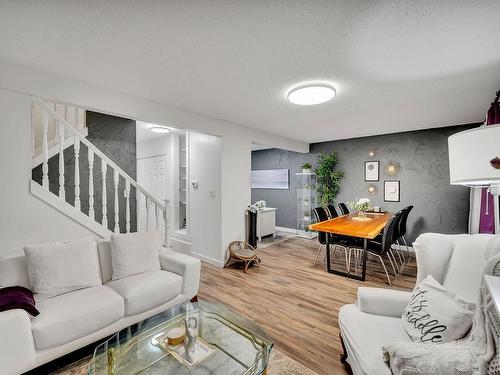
x=400 y=251
x=407 y=247
x=401 y=259
x=385 y=269
x=317 y=254
x=393 y=265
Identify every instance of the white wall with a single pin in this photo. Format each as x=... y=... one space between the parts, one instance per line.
x=236 y=140
x=154 y=147
x=24 y=219
x=205 y=198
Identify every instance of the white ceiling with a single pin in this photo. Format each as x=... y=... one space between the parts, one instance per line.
x=396 y=65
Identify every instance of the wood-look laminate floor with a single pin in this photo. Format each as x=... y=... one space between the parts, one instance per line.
x=294 y=301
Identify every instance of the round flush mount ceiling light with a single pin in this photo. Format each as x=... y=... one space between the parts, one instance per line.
x=311 y=94
x=159 y=129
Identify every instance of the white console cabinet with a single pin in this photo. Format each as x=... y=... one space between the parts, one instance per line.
x=266 y=222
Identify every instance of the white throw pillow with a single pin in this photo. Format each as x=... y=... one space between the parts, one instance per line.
x=435 y=315
x=134 y=253
x=60 y=267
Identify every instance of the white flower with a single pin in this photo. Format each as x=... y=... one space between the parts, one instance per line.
x=364 y=200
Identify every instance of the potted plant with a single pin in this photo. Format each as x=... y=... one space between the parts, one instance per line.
x=328 y=178
x=306 y=168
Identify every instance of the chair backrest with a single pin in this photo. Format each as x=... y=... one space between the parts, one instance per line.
x=390 y=231
x=455 y=260
x=320 y=215
x=332 y=212
x=343 y=209
x=403 y=221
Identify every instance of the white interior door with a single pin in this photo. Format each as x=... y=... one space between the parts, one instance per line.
x=152 y=175
x=205 y=197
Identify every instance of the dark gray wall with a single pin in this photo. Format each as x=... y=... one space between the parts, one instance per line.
x=424 y=178
x=116 y=138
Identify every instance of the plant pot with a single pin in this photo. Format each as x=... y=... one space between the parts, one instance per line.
x=306 y=171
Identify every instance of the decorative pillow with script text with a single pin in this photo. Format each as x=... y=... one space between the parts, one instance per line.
x=436 y=315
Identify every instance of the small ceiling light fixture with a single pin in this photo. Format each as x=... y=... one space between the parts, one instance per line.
x=311 y=94
x=159 y=129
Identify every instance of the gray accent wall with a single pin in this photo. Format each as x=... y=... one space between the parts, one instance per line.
x=116 y=138
x=424 y=178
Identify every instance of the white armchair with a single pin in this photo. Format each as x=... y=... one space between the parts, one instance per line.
x=455 y=261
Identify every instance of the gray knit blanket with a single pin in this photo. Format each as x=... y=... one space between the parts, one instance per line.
x=475 y=354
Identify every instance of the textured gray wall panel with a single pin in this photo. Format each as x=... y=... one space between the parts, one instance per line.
x=424 y=175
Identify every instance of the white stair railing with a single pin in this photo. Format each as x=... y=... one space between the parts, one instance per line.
x=158 y=209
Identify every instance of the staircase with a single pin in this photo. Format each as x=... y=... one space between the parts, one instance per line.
x=105 y=206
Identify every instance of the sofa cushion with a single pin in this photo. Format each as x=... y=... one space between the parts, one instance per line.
x=134 y=253
x=60 y=267
x=73 y=315
x=147 y=290
x=463 y=274
x=364 y=335
x=104 y=251
x=14 y=271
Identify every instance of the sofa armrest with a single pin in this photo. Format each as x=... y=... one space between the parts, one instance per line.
x=17 y=349
x=187 y=267
x=379 y=301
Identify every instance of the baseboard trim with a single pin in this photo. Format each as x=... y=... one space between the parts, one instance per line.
x=204 y=258
x=286 y=230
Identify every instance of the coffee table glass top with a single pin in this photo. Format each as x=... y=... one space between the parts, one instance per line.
x=241 y=346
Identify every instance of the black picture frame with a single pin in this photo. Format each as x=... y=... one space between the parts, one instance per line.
x=398 y=192
x=374 y=162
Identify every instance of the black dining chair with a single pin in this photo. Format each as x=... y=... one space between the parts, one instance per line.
x=343 y=209
x=321 y=215
x=384 y=247
x=402 y=229
x=331 y=211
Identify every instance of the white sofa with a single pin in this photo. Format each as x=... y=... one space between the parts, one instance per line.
x=455 y=261
x=73 y=320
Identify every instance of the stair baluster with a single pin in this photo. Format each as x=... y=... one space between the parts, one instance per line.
x=147 y=213
x=91 y=184
x=77 y=173
x=127 y=206
x=45 y=146
x=67 y=121
x=62 y=191
x=116 y=180
x=157 y=218
x=104 y=170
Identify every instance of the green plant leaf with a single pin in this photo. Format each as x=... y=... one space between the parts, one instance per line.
x=328 y=178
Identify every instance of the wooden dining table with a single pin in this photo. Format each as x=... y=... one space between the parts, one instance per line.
x=346 y=225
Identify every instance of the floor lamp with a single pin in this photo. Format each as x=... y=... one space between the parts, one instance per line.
x=475 y=161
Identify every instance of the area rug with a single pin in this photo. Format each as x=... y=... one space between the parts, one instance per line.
x=279 y=364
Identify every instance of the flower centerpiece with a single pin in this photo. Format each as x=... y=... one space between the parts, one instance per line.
x=362 y=205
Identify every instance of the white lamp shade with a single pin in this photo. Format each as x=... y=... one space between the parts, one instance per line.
x=470 y=153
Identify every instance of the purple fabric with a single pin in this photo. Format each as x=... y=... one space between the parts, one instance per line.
x=17 y=297
x=487 y=222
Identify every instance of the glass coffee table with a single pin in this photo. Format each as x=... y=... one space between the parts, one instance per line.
x=236 y=345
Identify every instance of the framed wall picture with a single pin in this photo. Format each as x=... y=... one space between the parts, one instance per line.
x=372 y=170
x=278 y=179
x=391 y=191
